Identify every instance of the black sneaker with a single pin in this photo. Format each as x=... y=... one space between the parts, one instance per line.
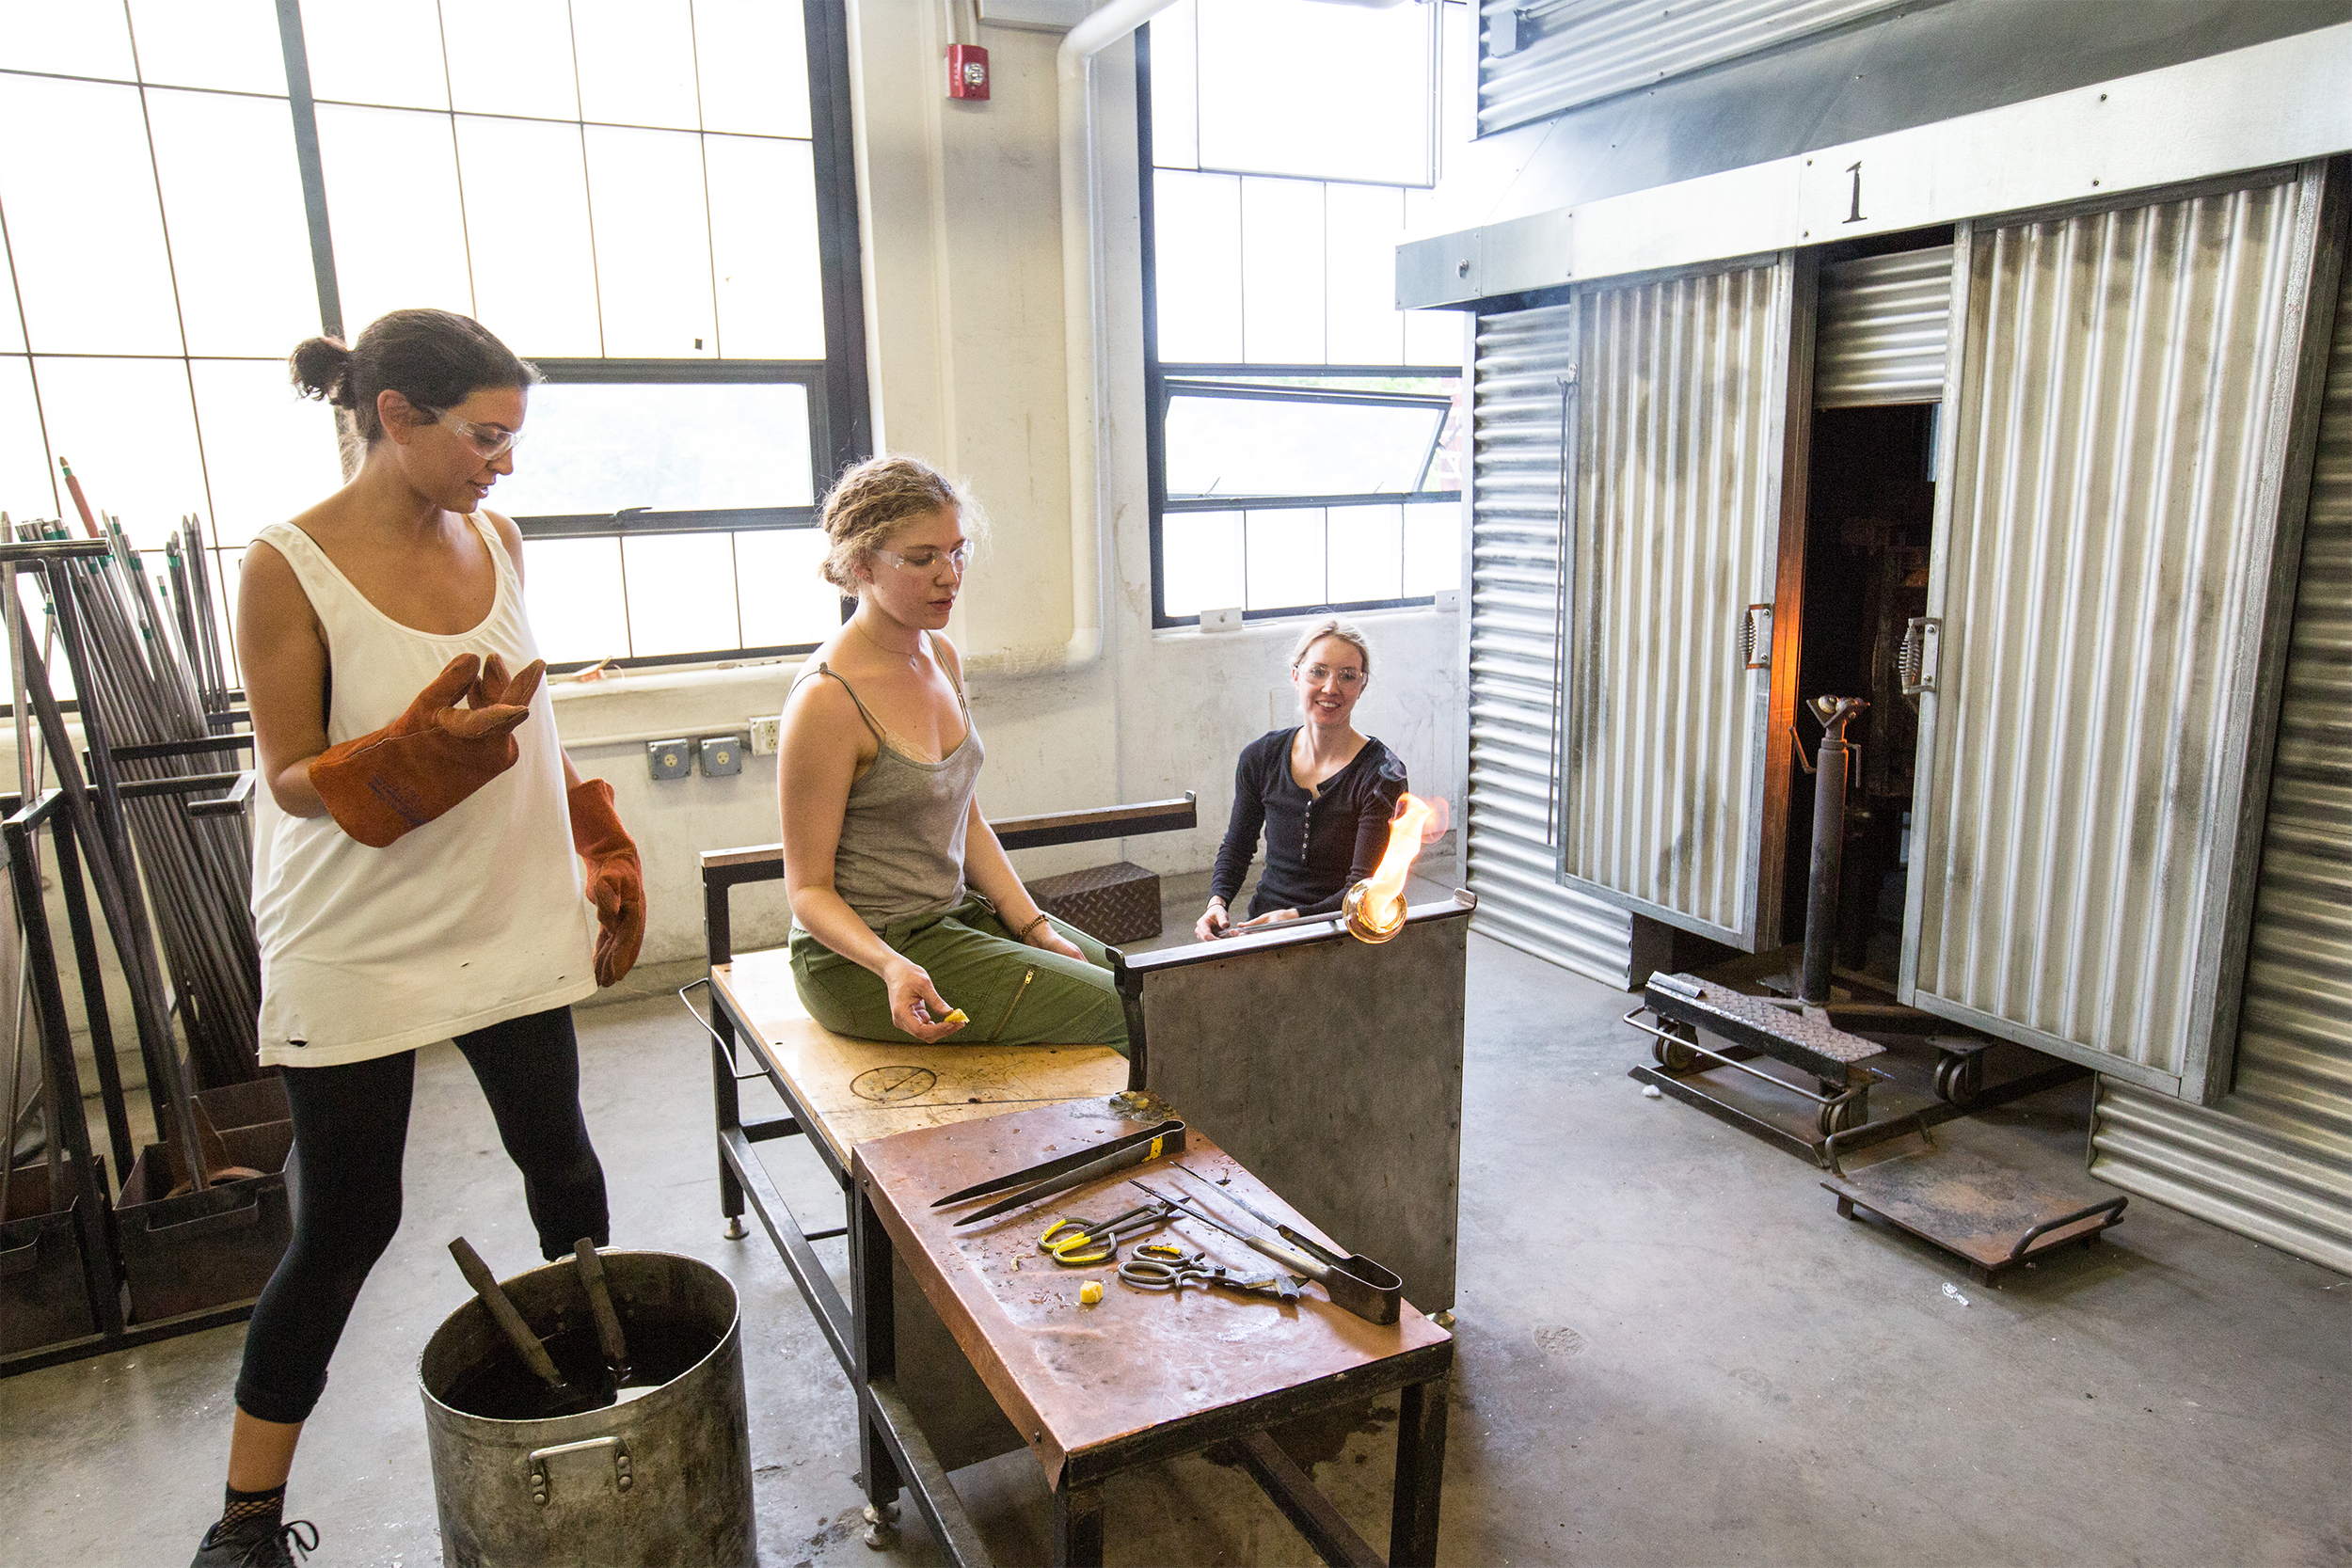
x=256 y=1543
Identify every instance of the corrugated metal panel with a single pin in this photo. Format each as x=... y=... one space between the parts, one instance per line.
x=1522 y=359
x=1574 y=52
x=1681 y=404
x=1880 y=328
x=2274 y=1160
x=2105 y=549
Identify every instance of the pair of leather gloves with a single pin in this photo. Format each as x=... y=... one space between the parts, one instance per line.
x=381 y=784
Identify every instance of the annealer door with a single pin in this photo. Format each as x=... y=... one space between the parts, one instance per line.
x=2128 y=443
x=1682 y=412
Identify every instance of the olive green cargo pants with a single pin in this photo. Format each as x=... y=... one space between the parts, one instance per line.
x=1013 y=993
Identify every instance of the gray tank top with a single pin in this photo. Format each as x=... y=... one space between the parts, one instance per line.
x=901 y=850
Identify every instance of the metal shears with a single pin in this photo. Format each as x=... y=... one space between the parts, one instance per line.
x=1164 y=1266
x=1075 y=1243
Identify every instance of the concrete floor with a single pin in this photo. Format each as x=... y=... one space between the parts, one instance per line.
x=1672 y=1351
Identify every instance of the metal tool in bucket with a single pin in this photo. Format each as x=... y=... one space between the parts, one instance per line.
x=661 y=1477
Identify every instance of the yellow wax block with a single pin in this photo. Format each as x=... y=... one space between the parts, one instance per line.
x=956 y=1015
x=1091 y=1292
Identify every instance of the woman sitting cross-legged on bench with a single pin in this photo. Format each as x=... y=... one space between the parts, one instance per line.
x=908 y=922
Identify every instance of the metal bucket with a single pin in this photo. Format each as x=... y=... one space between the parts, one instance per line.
x=663 y=1477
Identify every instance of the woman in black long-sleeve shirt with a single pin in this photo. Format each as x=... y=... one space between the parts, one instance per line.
x=1321 y=792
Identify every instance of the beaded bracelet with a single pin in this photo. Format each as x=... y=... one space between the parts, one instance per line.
x=1022 y=934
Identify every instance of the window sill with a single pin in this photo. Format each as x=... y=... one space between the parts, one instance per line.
x=1283 y=627
x=631 y=708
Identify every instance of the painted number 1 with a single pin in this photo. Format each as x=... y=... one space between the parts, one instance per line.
x=1854 y=213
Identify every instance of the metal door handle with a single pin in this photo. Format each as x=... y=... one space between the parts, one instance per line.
x=1755 y=636
x=1922 y=654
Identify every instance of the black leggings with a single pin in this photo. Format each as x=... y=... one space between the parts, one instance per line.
x=350 y=1128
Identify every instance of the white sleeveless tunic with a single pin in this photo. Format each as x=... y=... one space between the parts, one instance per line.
x=474 y=918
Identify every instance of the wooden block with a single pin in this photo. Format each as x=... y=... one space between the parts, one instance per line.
x=861 y=1089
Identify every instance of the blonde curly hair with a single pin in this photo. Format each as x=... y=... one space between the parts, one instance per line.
x=872 y=499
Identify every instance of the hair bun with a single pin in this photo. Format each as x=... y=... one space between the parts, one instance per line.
x=321 y=369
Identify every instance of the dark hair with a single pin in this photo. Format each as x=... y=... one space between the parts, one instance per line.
x=435 y=358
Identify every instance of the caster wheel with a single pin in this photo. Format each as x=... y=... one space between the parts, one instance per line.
x=1673 y=1055
x=1957 y=1079
x=1838 y=1116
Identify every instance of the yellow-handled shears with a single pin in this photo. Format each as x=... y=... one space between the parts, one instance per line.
x=1077 y=1244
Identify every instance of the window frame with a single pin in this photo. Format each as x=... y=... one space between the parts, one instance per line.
x=839 y=399
x=1161 y=381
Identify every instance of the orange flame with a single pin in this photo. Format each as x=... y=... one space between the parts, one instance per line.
x=1374 y=908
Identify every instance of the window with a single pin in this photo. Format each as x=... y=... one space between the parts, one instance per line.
x=1306 y=434
x=649 y=198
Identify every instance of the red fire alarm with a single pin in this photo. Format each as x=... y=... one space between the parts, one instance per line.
x=968 y=70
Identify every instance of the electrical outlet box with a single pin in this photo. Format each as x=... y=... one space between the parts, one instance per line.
x=669 y=759
x=1221 y=620
x=766 y=733
x=721 y=754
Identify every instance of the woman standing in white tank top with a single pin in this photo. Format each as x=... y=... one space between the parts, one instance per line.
x=418 y=853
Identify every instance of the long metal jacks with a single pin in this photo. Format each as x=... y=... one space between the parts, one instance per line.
x=1829 y=845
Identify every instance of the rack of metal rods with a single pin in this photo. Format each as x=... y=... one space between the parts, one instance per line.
x=154 y=686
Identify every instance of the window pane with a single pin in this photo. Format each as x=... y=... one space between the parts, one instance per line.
x=227 y=570
x=526 y=193
x=1201 y=562
x=385 y=52
x=763 y=237
x=1285 y=85
x=572 y=588
x=240 y=244
x=391 y=188
x=1197 y=239
x=1433 y=548
x=127 y=428
x=211 y=43
x=1364 y=222
x=681 y=593
x=511 y=57
x=1282 y=272
x=12 y=324
x=599 y=449
x=1433 y=336
x=25 y=490
x=268 y=454
x=1285 y=558
x=1246 y=446
x=70 y=41
x=784 y=598
x=653 y=242
x=1176 y=87
x=751 y=57
x=83 y=221
x=636 y=61
x=1367 y=545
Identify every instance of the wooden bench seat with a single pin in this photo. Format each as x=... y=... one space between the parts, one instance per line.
x=861 y=1089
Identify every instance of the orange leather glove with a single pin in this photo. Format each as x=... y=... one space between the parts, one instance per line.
x=615 y=881
x=379 y=785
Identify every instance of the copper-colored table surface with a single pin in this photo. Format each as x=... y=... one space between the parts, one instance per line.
x=1075 y=1379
